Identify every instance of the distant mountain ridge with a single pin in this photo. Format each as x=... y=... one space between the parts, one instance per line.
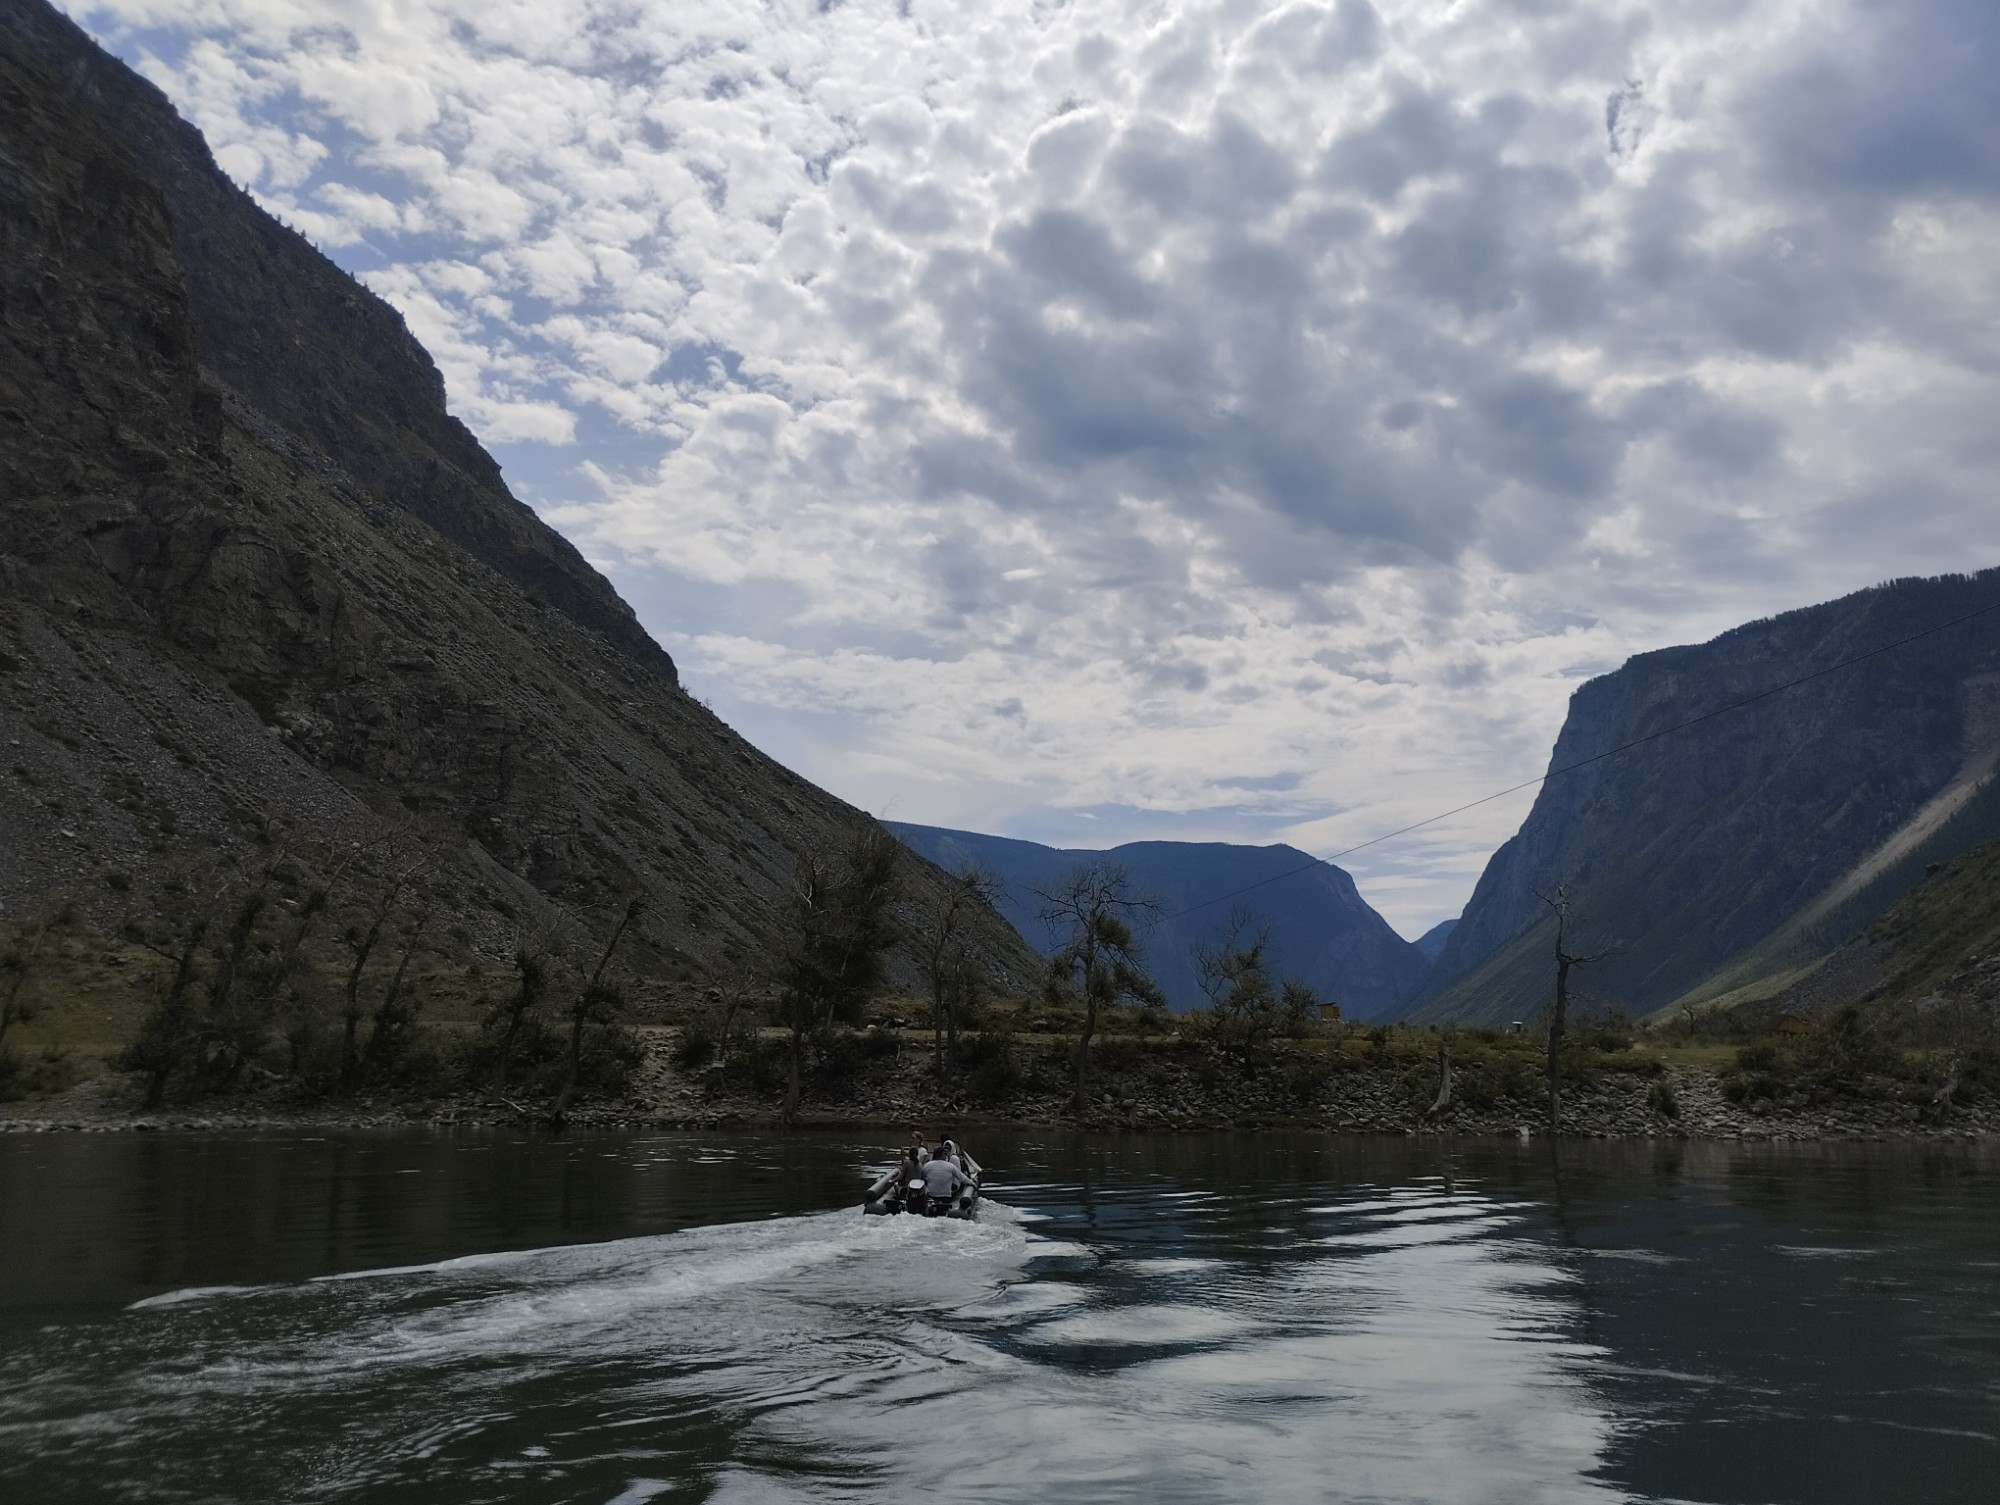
x=1322 y=931
x=1431 y=942
x=1741 y=850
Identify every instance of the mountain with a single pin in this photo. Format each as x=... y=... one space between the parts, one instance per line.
x=1738 y=851
x=1431 y=942
x=258 y=586
x=1322 y=931
x=1934 y=956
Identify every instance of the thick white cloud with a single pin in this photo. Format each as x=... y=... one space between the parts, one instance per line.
x=1212 y=418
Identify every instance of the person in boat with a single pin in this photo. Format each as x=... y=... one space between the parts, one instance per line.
x=918 y=1147
x=943 y=1180
x=909 y=1177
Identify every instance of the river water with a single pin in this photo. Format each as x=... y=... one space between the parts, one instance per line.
x=668 y=1317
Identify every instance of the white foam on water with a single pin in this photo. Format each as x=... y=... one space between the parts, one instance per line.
x=1028 y=1299
x=1164 y=1266
x=1637 y=1256
x=1399 y=1235
x=617 y=1297
x=640 y=1491
x=1143 y=1326
x=197 y=1293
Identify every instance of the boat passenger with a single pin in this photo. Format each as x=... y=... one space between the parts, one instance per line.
x=909 y=1174
x=942 y=1183
x=917 y=1146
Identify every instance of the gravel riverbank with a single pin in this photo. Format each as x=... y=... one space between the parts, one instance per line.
x=1145 y=1089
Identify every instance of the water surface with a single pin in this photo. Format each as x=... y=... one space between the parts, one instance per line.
x=658 y=1317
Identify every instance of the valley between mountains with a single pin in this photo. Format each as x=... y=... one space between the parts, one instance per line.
x=338 y=787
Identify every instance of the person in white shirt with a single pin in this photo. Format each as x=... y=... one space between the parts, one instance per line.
x=943 y=1181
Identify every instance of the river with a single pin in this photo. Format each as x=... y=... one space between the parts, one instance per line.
x=622 y=1319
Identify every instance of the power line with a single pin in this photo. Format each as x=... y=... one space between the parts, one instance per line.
x=1665 y=731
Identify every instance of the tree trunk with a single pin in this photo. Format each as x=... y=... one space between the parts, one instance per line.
x=507 y=1050
x=728 y=1020
x=792 y=1072
x=350 y=1051
x=1443 y=1099
x=1557 y=1017
x=173 y=1015
x=1080 y=1103
x=560 y=1113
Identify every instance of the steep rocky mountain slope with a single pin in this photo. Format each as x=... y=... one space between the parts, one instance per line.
x=254 y=579
x=1322 y=931
x=1934 y=955
x=1740 y=851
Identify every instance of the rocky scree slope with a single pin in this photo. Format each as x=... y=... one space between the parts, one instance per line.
x=1322 y=931
x=1934 y=955
x=1742 y=850
x=253 y=577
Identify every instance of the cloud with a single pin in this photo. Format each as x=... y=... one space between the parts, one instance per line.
x=1257 y=415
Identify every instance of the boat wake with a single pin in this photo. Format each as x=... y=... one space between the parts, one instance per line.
x=834 y=1356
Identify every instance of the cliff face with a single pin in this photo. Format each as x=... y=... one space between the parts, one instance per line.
x=252 y=575
x=1751 y=844
x=305 y=348
x=1322 y=931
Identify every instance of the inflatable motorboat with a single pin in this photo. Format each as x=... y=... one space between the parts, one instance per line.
x=887 y=1194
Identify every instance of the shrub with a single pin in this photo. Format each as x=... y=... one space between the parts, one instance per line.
x=839 y=1057
x=50 y=1070
x=1634 y=1065
x=1660 y=1098
x=1743 y=1087
x=1845 y=1047
x=611 y=1053
x=696 y=1047
x=761 y=1063
x=996 y=1069
x=1306 y=1074
x=1759 y=1057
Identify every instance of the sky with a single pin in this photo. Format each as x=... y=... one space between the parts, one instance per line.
x=1196 y=419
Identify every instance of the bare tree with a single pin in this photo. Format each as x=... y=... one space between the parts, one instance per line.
x=1443 y=1099
x=535 y=960
x=392 y=1027
x=228 y=1030
x=1559 y=905
x=1246 y=1004
x=598 y=999
x=733 y=1001
x=361 y=938
x=1099 y=961
x=196 y=903
x=839 y=931
x=947 y=960
x=168 y=1025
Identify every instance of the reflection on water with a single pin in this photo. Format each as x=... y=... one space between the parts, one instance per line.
x=1222 y=1318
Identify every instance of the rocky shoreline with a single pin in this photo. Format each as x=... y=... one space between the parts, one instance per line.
x=1153 y=1093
